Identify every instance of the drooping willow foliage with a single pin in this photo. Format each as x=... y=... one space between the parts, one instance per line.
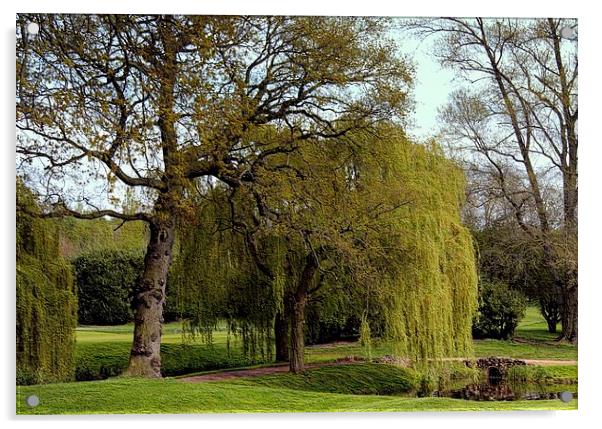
x=430 y=281
x=46 y=302
x=386 y=213
x=214 y=280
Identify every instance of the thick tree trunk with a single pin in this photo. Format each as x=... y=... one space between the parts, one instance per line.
x=297 y=340
x=145 y=355
x=281 y=332
x=570 y=311
x=297 y=314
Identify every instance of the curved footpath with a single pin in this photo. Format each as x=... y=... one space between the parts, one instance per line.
x=283 y=368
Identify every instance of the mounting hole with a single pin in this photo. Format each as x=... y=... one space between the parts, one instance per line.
x=32 y=401
x=33 y=28
x=568 y=33
x=565 y=396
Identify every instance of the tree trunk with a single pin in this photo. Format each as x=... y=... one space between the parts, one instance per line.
x=549 y=306
x=569 y=311
x=145 y=356
x=281 y=332
x=297 y=314
x=297 y=340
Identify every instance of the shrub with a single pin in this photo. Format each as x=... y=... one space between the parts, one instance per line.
x=500 y=310
x=105 y=282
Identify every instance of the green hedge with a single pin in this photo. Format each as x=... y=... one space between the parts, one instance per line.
x=105 y=282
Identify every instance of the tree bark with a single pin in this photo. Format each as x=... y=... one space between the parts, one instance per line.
x=297 y=314
x=145 y=355
x=550 y=311
x=297 y=357
x=281 y=332
x=569 y=313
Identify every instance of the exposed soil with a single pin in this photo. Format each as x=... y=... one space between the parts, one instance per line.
x=544 y=362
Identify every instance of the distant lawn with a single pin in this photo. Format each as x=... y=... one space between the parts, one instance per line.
x=103 y=351
x=136 y=396
x=534 y=327
x=531 y=341
x=525 y=351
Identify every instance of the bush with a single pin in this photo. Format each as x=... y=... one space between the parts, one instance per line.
x=500 y=310
x=105 y=283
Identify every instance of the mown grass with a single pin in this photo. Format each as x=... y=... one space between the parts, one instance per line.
x=531 y=341
x=534 y=327
x=102 y=351
x=137 y=396
x=356 y=379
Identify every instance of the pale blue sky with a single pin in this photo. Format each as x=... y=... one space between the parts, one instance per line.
x=432 y=86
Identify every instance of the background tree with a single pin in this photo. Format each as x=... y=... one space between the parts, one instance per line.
x=519 y=116
x=500 y=311
x=155 y=103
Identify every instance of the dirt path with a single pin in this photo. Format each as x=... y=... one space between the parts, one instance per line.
x=283 y=368
x=548 y=362
x=254 y=372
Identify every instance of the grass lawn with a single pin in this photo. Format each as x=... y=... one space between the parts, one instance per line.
x=126 y=396
x=531 y=341
x=102 y=352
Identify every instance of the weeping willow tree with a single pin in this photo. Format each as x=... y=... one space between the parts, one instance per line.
x=368 y=214
x=215 y=280
x=430 y=279
x=46 y=302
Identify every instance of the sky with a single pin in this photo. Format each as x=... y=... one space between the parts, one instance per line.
x=432 y=86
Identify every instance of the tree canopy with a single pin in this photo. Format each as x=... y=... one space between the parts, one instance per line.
x=163 y=103
x=378 y=219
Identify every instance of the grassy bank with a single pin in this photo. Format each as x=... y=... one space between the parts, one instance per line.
x=103 y=352
x=355 y=379
x=134 y=396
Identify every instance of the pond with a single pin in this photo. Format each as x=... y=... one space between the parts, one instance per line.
x=489 y=388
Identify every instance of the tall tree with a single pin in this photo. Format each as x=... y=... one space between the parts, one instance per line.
x=371 y=215
x=520 y=114
x=156 y=103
